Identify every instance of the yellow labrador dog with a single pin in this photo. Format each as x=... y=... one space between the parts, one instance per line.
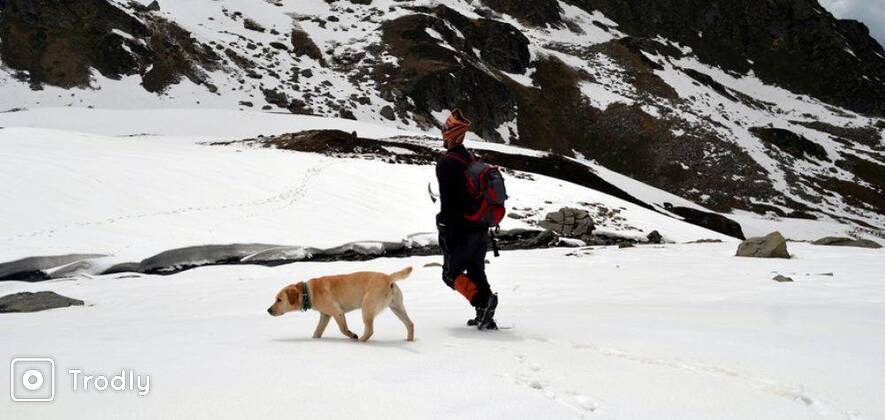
x=334 y=296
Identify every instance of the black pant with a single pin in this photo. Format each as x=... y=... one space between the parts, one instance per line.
x=466 y=253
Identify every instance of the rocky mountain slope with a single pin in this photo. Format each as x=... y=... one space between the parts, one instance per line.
x=773 y=108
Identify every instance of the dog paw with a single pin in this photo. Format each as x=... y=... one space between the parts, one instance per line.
x=353 y=336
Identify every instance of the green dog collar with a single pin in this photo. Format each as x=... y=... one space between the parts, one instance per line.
x=305 y=298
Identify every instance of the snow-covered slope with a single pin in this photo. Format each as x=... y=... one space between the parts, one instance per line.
x=664 y=331
x=718 y=137
x=680 y=331
x=132 y=196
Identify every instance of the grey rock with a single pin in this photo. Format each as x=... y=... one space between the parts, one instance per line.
x=772 y=245
x=836 y=241
x=14 y=269
x=387 y=112
x=35 y=302
x=655 y=237
x=626 y=245
x=782 y=279
x=569 y=222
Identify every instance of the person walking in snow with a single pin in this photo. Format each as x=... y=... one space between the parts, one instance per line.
x=464 y=242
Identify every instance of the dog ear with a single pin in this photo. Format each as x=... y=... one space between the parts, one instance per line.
x=293 y=293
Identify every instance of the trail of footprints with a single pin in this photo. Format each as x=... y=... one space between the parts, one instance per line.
x=531 y=375
x=288 y=197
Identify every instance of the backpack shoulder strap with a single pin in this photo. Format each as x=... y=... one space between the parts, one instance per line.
x=465 y=162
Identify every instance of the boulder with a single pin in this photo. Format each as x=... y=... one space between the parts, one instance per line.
x=772 y=245
x=655 y=237
x=387 y=112
x=782 y=279
x=837 y=241
x=35 y=302
x=569 y=222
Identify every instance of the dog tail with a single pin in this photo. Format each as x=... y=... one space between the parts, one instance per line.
x=399 y=275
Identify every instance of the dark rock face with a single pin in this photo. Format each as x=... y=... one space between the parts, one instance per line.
x=712 y=221
x=58 y=42
x=772 y=245
x=867 y=136
x=655 y=237
x=857 y=243
x=535 y=12
x=555 y=114
x=437 y=78
x=864 y=169
x=791 y=143
x=304 y=46
x=793 y=43
x=35 y=302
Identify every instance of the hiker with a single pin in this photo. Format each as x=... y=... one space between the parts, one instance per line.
x=464 y=242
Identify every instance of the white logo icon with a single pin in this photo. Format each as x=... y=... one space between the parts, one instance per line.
x=32 y=379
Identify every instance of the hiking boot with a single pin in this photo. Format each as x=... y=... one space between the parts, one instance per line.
x=473 y=322
x=485 y=317
x=492 y=325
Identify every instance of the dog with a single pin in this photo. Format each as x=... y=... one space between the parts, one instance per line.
x=334 y=296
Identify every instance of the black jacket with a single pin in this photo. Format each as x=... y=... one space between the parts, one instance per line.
x=453 y=195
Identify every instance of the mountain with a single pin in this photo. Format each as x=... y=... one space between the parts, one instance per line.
x=773 y=108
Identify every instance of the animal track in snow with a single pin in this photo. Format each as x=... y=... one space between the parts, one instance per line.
x=529 y=375
x=792 y=392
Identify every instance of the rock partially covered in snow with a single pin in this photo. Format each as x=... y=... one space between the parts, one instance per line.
x=782 y=279
x=35 y=302
x=836 y=241
x=772 y=245
x=569 y=222
x=655 y=237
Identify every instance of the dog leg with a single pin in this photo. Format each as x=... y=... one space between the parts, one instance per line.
x=324 y=321
x=369 y=321
x=342 y=325
x=399 y=309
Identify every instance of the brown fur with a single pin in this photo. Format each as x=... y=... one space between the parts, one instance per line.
x=334 y=296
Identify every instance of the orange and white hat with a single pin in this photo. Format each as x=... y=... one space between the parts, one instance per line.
x=455 y=128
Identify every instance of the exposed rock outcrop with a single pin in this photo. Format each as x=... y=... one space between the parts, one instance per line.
x=857 y=243
x=59 y=43
x=569 y=222
x=793 y=43
x=791 y=143
x=35 y=302
x=782 y=279
x=772 y=245
x=712 y=221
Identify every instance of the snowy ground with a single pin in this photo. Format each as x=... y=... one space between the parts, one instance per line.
x=672 y=331
x=134 y=196
x=680 y=331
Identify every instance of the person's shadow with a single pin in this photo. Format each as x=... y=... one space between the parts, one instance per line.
x=471 y=333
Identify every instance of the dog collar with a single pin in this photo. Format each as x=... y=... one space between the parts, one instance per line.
x=305 y=298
